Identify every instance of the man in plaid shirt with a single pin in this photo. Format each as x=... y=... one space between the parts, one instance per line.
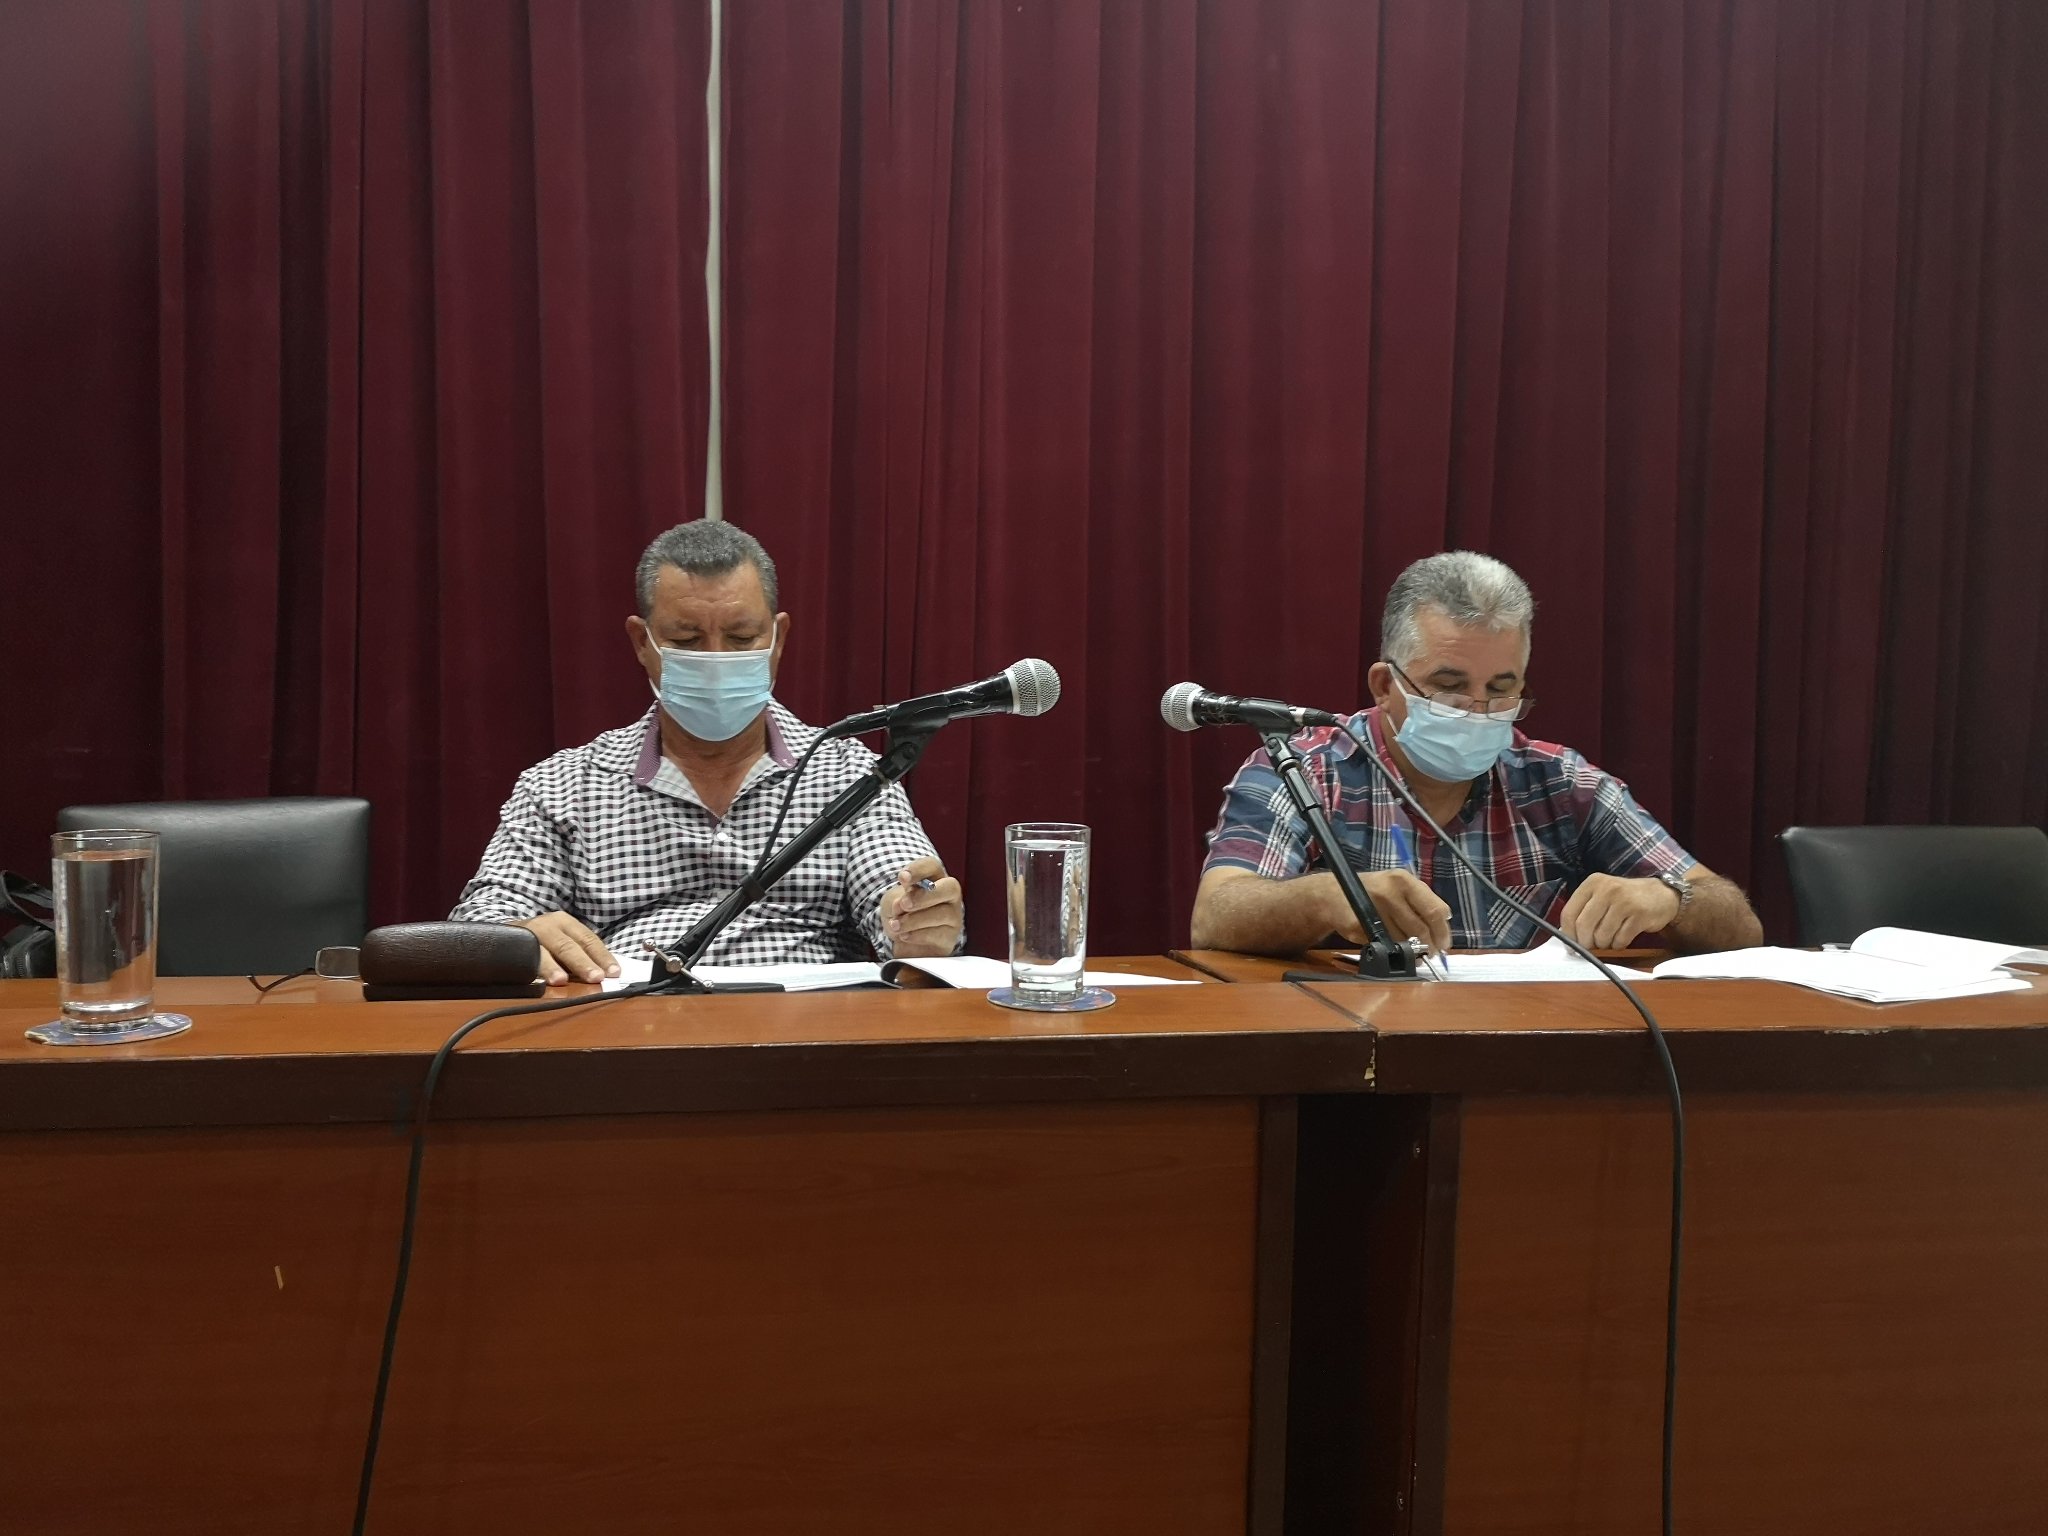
x=628 y=840
x=1545 y=824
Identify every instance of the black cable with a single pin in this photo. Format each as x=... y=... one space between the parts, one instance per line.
x=1663 y=1058
x=422 y=1112
x=265 y=987
x=789 y=795
x=781 y=814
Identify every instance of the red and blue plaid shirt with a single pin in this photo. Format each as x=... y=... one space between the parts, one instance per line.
x=1540 y=822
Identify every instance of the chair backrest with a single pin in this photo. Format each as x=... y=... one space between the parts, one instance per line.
x=250 y=886
x=1974 y=882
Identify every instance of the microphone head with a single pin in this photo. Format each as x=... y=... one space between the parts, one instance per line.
x=1177 y=706
x=1034 y=685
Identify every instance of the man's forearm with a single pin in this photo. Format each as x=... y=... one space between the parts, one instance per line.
x=1257 y=916
x=1718 y=917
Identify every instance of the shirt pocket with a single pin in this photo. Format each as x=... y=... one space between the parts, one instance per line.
x=1510 y=928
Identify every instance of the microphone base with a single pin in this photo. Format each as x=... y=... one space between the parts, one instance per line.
x=1376 y=962
x=680 y=986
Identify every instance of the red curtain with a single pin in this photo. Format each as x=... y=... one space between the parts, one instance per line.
x=352 y=351
x=1155 y=339
x=350 y=348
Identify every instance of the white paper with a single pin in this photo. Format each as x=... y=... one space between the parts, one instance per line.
x=1941 y=949
x=634 y=969
x=1549 y=961
x=980 y=973
x=975 y=972
x=1845 y=973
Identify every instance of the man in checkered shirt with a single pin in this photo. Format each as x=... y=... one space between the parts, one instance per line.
x=630 y=839
x=1545 y=824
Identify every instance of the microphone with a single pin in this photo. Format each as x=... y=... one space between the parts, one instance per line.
x=1027 y=687
x=1188 y=705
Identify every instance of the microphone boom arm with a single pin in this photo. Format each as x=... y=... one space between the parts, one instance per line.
x=898 y=757
x=1380 y=957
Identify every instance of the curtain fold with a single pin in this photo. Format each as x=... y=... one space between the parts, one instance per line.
x=351 y=349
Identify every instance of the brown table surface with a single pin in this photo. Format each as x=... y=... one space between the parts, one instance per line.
x=1543 y=1037
x=313 y=1051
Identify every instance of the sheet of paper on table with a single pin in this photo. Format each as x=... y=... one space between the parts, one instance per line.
x=634 y=969
x=976 y=972
x=1549 y=961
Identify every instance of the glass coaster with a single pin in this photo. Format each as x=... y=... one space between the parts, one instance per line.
x=1087 y=1000
x=155 y=1027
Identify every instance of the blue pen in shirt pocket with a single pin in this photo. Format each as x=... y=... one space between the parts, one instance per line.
x=1404 y=850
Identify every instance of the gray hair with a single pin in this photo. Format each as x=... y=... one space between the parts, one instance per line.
x=703 y=548
x=1474 y=591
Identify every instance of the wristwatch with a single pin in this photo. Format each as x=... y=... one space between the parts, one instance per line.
x=1681 y=886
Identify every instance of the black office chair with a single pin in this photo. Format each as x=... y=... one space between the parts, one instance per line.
x=250 y=887
x=1973 y=882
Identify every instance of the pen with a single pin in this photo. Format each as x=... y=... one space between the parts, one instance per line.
x=1405 y=852
x=927 y=884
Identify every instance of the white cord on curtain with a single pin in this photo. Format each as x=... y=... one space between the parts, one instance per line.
x=714 y=153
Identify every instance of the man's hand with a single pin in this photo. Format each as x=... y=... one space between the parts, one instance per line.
x=1608 y=912
x=1410 y=909
x=568 y=950
x=917 y=921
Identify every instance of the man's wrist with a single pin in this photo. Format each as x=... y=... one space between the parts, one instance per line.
x=1337 y=914
x=1679 y=889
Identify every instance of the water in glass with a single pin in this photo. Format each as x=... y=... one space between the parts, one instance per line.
x=1048 y=869
x=106 y=934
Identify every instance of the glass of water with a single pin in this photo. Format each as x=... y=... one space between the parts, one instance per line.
x=105 y=887
x=1047 y=864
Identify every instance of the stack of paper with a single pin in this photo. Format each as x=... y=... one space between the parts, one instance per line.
x=1885 y=965
x=1944 y=950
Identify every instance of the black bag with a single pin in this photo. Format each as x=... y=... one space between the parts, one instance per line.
x=28 y=947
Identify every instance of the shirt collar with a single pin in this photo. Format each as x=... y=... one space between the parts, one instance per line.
x=779 y=732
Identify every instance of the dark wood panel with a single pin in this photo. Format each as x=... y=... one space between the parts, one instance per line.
x=1266 y=1476
x=989 y=1320
x=1864 y=1346
x=1375 y=1202
x=260 y=1064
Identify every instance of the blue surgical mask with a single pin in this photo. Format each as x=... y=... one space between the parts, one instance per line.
x=714 y=695
x=1452 y=748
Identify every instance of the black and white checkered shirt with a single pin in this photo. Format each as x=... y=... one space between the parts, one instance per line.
x=613 y=834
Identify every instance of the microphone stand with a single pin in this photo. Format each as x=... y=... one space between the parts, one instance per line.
x=898 y=757
x=1381 y=957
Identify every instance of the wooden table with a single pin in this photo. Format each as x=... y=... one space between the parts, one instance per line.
x=862 y=1262
x=1480 y=1288
x=1342 y=1257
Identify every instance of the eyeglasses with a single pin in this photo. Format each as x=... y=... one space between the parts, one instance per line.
x=337 y=962
x=1515 y=707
